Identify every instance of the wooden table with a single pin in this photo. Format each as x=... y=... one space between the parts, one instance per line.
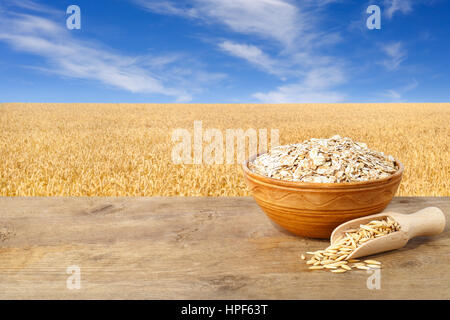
x=192 y=248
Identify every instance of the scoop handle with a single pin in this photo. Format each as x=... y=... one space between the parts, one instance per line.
x=426 y=222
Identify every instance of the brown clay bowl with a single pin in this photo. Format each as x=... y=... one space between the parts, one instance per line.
x=315 y=209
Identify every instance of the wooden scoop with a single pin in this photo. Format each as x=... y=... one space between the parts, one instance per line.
x=426 y=222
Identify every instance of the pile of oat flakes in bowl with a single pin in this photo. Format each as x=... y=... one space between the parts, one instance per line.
x=333 y=160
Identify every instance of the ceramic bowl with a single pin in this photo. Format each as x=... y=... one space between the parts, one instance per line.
x=315 y=209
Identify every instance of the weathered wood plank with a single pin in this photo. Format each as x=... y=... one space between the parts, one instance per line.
x=192 y=248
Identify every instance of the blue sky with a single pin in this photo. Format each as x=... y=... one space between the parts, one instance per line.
x=225 y=51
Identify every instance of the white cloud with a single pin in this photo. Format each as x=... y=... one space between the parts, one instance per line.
x=292 y=26
x=293 y=66
x=296 y=93
x=278 y=20
x=396 y=95
x=393 y=95
x=414 y=83
x=324 y=77
x=252 y=54
x=316 y=87
x=167 y=7
x=33 y=6
x=396 y=54
x=393 y=6
x=69 y=57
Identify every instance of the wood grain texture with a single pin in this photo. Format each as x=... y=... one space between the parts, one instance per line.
x=193 y=248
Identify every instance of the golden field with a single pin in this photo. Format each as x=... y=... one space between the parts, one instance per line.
x=125 y=149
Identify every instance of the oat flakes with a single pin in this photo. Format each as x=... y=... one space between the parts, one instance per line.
x=333 y=160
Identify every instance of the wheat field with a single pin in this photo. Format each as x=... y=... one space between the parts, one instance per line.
x=125 y=149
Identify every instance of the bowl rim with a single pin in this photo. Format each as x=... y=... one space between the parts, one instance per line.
x=317 y=185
